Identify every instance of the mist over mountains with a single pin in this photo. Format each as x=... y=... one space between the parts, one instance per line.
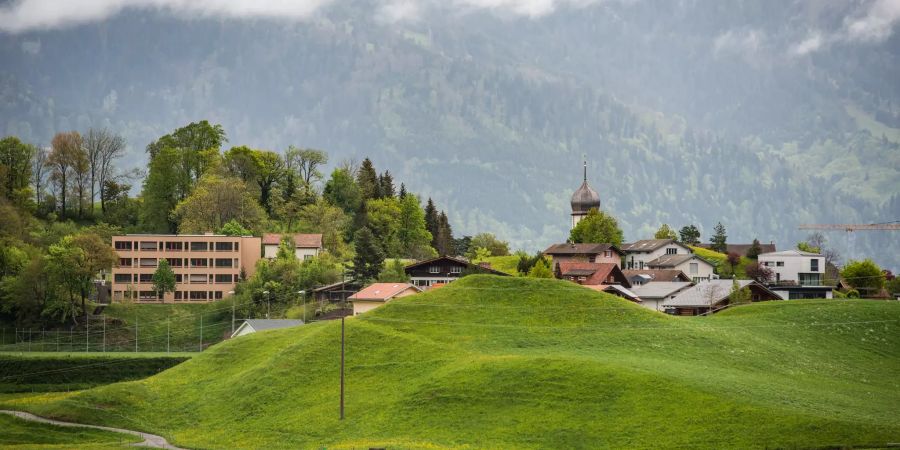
x=762 y=115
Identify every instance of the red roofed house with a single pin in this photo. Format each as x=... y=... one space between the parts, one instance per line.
x=606 y=277
x=307 y=245
x=378 y=294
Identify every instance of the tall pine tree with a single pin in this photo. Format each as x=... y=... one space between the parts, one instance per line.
x=402 y=191
x=719 y=238
x=386 y=184
x=369 y=259
x=444 y=239
x=431 y=221
x=367 y=179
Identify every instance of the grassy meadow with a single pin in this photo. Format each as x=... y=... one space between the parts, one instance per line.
x=528 y=363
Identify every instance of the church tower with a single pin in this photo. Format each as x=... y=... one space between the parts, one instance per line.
x=583 y=200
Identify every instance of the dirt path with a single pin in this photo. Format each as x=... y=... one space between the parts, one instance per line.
x=150 y=440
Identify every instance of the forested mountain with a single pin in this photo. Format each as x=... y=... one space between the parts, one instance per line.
x=761 y=115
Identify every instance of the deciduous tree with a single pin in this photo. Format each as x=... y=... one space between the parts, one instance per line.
x=597 y=227
x=163 y=279
x=690 y=235
x=664 y=232
x=63 y=156
x=216 y=201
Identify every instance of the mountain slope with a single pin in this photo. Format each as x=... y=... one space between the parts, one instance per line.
x=491 y=115
x=512 y=362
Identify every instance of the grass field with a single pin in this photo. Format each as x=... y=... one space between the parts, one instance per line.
x=22 y=434
x=507 y=264
x=41 y=372
x=529 y=363
x=721 y=261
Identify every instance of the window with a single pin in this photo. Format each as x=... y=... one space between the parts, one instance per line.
x=174 y=262
x=814 y=265
x=307 y=257
x=694 y=268
x=178 y=278
x=434 y=269
x=199 y=246
x=223 y=278
x=148 y=262
x=199 y=262
x=224 y=246
x=809 y=279
x=779 y=263
x=455 y=269
x=145 y=278
x=671 y=251
x=124 y=262
x=197 y=279
x=177 y=295
x=174 y=246
x=122 y=278
x=218 y=295
x=197 y=295
x=223 y=262
x=592 y=258
x=123 y=245
x=148 y=246
x=146 y=295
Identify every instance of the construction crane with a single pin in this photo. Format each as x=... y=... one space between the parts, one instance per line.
x=850 y=228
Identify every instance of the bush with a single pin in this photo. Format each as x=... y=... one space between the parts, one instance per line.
x=852 y=293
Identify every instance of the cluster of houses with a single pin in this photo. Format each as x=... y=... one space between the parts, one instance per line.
x=660 y=274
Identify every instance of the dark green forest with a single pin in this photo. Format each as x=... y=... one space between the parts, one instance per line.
x=689 y=113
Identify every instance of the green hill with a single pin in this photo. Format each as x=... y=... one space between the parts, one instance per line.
x=529 y=363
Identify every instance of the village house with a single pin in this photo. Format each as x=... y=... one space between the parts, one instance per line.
x=639 y=277
x=251 y=326
x=713 y=295
x=443 y=270
x=605 y=277
x=336 y=292
x=797 y=274
x=654 y=294
x=589 y=253
x=378 y=294
x=638 y=254
x=207 y=267
x=306 y=246
x=692 y=265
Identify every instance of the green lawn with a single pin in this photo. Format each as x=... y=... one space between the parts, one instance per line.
x=495 y=362
x=507 y=264
x=43 y=372
x=720 y=260
x=22 y=434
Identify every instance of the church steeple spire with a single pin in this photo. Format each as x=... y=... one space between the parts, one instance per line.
x=585 y=168
x=584 y=199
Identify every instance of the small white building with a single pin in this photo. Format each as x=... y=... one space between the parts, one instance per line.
x=638 y=254
x=654 y=294
x=697 y=268
x=798 y=274
x=253 y=325
x=306 y=245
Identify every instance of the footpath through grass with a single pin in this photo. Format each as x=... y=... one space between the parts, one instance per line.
x=527 y=363
x=22 y=434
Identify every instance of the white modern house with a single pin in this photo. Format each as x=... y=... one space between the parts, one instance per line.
x=654 y=294
x=306 y=246
x=697 y=268
x=797 y=274
x=638 y=254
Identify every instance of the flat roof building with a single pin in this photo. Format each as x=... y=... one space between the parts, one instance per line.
x=206 y=266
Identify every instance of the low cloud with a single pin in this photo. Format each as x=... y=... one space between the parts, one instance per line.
x=811 y=44
x=19 y=16
x=873 y=22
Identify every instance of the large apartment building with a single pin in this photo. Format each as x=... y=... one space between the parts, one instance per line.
x=206 y=266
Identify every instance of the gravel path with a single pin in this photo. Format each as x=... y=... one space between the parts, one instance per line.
x=150 y=440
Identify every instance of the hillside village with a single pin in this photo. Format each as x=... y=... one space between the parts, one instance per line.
x=267 y=231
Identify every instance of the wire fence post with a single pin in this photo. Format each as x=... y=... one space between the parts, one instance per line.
x=342 y=367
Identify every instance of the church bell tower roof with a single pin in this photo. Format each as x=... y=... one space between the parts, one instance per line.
x=585 y=198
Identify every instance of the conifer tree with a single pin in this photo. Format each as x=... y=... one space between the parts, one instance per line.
x=719 y=238
x=367 y=179
x=431 y=221
x=369 y=259
x=402 y=191
x=754 y=250
x=386 y=184
x=444 y=240
x=689 y=235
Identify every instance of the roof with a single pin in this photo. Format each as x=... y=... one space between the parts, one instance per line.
x=381 y=291
x=596 y=273
x=331 y=286
x=741 y=249
x=458 y=260
x=657 y=275
x=648 y=245
x=660 y=289
x=585 y=198
x=300 y=240
x=674 y=260
x=272 y=324
x=708 y=293
x=580 y=249
x=622 y=290
x=789 y=253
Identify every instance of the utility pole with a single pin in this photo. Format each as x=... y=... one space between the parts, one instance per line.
x=231 y=293
x=342 y=367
